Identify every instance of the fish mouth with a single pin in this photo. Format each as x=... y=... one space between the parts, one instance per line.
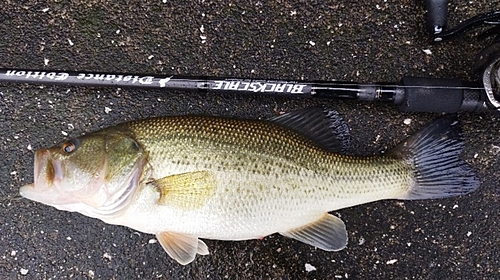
x=32 y=191
x=26 y=191
x=40 y=156
x=47 y=172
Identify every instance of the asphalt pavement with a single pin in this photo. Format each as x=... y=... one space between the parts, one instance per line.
x=363 y=41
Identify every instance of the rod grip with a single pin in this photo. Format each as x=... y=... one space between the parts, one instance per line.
x=440 y=95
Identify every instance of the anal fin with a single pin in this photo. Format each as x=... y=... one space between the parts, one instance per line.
x=182 y=247
x=327 y=233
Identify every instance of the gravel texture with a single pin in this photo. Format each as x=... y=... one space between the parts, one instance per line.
x=364 y=41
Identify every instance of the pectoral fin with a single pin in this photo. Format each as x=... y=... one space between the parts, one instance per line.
x=327 y=233
x=187 y=190
x=182 y=247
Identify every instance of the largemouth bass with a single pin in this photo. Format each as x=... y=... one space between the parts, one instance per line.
x=183 y=178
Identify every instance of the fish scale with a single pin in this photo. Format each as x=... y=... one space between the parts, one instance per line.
x=304 y=173
x=279 y=151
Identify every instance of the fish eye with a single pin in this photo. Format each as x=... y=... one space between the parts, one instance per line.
x=69 y=146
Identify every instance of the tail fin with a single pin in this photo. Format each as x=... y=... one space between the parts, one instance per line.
x=434 y=154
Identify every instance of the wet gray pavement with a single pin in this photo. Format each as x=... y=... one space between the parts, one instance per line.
x=363 y=41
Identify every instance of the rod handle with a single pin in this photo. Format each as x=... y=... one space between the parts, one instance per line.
x=441 y=95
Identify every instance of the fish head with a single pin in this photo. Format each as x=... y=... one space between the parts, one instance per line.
x=95 y=175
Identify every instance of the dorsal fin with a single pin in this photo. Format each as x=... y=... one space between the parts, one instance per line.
x=325 y=127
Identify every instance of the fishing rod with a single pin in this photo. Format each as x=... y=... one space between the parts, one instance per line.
x=417 y=94
x=411 y=94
